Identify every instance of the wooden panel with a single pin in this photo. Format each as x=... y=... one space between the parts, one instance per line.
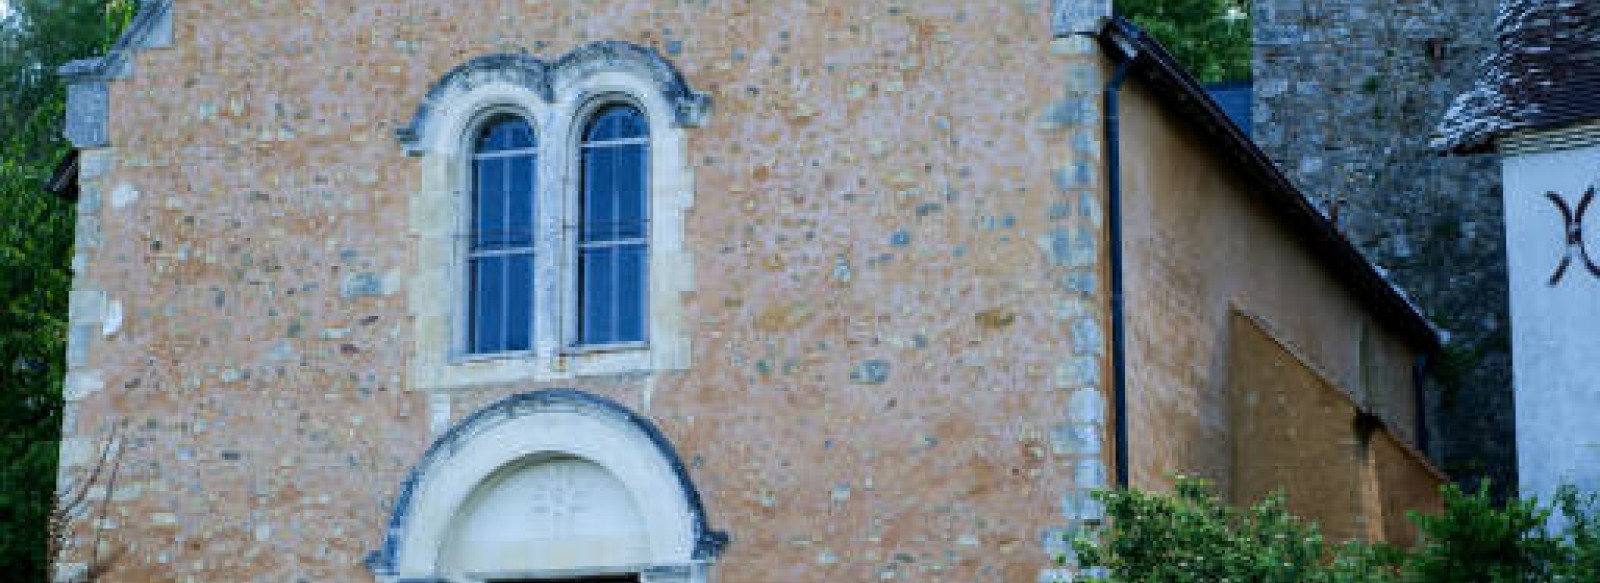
x=1294 y=432
x=1406 y=483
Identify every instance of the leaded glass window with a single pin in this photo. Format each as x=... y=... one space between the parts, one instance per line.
x=500 y=245
x=613 y=228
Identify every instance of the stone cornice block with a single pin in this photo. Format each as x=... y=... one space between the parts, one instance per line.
x=88 y=92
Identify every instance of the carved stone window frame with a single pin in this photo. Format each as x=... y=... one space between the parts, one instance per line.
x=556 y=99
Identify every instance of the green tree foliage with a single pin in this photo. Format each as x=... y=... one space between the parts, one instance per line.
x=1581 y=512
x=1477 y=541
x=1192 y=536
x=35 y=252
x=1211 y=37
x=1474 y=541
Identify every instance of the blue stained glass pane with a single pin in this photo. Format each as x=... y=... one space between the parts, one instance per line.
x=599 y=128
x=501 y=286
x=613 y=283
x=614 y=295
x=617 y=122
x=630 y=294
x=510 y=133
x=521 y=135
x=519 y=302
x=615 y=206
x=488 y=203
x=488 y=305
x=519 y=223
x=598 y=315
x=629 y=168
x=599 y=194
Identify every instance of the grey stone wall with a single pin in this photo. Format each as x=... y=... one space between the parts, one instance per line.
x=1347 y=93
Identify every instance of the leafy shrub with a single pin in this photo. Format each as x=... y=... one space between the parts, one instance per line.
x=1474 y=541
x=1192 y=536
x=1581 y=536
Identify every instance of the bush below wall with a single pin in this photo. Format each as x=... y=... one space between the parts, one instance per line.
x=1191 y=536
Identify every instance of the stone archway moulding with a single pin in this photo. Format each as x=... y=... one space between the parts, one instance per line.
x=541 y=424
x=689 y=108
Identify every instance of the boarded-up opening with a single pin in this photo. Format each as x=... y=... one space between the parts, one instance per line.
x=1406 y=483
x=1293 y=431
x=1296 y=432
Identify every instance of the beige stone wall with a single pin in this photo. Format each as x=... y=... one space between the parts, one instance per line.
x=906 y=184
x=1201 y=245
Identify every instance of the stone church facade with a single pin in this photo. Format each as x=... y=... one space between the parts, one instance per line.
x=683 y=291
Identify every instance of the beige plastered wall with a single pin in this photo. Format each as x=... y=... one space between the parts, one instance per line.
x=899 y=186
x=1202 y=246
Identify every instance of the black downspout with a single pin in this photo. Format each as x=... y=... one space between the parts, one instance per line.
x=1119 y=333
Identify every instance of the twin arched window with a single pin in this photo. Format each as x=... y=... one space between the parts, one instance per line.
x=610 y=229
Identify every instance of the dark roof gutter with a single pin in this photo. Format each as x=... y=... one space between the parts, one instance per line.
x=63 y=182
x=1177 y=89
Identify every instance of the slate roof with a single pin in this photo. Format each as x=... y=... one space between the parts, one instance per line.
x=1237 y=99
x=1545 y=74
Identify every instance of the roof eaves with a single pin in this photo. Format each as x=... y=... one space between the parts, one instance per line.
x=1157 y=66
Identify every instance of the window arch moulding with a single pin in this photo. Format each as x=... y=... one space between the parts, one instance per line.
x=559 y=425
x=689 y=108
x=555 y=97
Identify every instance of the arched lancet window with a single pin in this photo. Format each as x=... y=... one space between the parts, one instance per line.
x=500 y=253
x=613 y=239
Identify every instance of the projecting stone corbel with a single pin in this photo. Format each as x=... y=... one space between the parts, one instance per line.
x=88 y=91
x=1078 y=17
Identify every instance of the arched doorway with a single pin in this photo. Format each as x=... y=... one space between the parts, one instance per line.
x=549 y=486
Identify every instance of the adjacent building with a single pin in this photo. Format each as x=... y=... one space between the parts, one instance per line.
x=1536 y=103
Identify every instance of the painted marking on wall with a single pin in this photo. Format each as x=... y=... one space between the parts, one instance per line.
x=1573 y=219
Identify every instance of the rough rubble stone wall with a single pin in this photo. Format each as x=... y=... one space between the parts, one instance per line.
x=1347 y=95
x=897 y=322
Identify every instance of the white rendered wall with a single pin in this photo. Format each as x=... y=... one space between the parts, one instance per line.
x=1555 y=326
